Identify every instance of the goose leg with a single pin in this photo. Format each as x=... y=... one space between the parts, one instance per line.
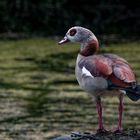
x=100 y=120
x=120 y=109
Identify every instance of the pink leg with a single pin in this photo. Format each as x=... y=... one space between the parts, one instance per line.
x=100 y=120
x=99 y=111
x=120 y=109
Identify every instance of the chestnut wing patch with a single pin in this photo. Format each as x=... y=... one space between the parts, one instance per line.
x=124 y=73
x=121 y=68
x=97 y=67
x=115 y=69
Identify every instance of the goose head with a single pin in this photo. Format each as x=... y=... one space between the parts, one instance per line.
x=78 y=34
x=88 y=41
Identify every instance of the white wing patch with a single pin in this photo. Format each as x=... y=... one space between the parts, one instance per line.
x=123 y=91
x=86 y=72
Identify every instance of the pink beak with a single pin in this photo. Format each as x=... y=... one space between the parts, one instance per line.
x=64 y=40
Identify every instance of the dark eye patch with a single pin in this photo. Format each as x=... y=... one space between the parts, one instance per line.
x=72 y=32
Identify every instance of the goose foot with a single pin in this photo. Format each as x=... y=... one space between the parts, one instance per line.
x=102 y=131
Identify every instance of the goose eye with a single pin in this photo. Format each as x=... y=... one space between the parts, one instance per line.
x=72 y=32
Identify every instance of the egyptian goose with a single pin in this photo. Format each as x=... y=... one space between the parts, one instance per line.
x=98 y=74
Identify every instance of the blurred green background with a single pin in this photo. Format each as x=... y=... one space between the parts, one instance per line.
x=39 y=95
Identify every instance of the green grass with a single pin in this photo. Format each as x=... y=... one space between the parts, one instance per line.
x=40 y=97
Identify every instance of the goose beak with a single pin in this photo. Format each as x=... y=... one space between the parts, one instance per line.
x=64 y=40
